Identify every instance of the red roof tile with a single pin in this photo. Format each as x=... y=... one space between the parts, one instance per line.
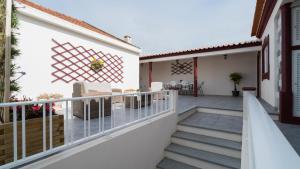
x=69 y=19
x=202 y=50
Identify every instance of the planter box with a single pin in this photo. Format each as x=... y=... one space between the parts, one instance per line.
x=34 y=137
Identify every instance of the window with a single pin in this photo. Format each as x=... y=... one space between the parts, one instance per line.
x=265 y=59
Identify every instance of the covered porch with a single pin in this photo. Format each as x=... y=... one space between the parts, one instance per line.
x=203 y=71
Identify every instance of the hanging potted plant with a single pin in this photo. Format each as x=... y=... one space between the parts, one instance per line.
x=96 y=64
x=236 y=78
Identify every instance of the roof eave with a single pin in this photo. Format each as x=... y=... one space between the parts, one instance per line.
x=204 y=50
x=33 y=12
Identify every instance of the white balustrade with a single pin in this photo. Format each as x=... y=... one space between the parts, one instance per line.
x=164 y=102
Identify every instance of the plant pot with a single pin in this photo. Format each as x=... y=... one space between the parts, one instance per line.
x=34 y=137
x=235 y=93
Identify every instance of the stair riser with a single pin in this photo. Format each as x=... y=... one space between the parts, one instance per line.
x=186 y=114
x=212 y=133
x=207 y=147
x=274 y=117
x=193 y=162
x=222 y=112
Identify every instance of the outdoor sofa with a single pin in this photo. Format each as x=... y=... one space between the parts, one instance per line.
x=84 y=89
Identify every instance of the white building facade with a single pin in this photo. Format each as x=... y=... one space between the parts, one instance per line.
x=276 y=23
x=56 y=51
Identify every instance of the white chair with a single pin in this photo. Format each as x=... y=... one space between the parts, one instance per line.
x=173 y=83
x=156 y=86
x=185 y=83
x=201 y=88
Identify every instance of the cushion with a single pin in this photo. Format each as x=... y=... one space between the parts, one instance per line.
x=96 y=93
x=156 y=86
x=99 y=87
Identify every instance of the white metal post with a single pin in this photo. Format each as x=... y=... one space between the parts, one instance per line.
x=67 y=124
x=89 y=118
x=84 y=118
x=23 y=133
x=15 y=133
x=103 y=114
x=50 y=126
x=44 y=128
x=99 y=116
x=71 y=117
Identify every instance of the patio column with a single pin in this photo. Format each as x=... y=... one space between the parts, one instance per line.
x=150 y=74
x=195 y=77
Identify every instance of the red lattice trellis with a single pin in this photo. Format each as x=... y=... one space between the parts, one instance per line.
x=181 y=68
x=73 y=64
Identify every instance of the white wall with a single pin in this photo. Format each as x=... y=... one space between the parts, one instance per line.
x=138 y=147
x=268 y=86
x=35 y=43
x=213 y=70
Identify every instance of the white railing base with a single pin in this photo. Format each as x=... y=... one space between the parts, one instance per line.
x=264 y=146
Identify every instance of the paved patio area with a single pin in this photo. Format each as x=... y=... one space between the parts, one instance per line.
x=231 y=124
x=219 y=102
x=120 y=117
x=290 y=131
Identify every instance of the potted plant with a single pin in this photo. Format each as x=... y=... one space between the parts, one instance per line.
x=52 y=96
x=33 y=128
x=236 y=78
x=96 y=64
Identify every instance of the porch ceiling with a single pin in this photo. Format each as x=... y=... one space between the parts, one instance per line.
x=246 y=47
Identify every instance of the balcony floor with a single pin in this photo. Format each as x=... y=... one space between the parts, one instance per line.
x=184 y=103
x=120 y=116
x=219 y=102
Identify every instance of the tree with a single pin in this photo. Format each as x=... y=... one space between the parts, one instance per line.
x=14 y=52
x=236 y=78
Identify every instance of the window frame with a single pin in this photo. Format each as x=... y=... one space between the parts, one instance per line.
x=266 y=45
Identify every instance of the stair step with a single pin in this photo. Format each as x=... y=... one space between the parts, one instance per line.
x=172 y=164
x=208 y=140
x=209 y=157
x=229 y=112
x=217 y=122
x=210 y=132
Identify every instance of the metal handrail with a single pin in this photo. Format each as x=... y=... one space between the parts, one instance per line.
x=157 y=107
x=75 y=98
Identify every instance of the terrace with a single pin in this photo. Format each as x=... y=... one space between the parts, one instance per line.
x=191 y=109
x=214 y=113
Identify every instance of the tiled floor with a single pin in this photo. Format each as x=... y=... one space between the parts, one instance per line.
x=290 y=131
x=270 y=109
x=219 y=102
x=120 y=116
x=225 y=123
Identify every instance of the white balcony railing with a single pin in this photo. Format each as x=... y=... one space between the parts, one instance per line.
x=264 y=146
x=129 y=109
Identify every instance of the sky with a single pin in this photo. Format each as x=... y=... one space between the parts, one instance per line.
x=158 y=26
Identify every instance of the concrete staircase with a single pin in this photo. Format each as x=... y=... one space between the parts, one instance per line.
x=204 y=146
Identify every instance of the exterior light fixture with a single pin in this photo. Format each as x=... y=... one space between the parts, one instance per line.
x=225 y=57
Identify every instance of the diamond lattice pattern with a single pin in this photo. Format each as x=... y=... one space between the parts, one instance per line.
x=72 y=63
